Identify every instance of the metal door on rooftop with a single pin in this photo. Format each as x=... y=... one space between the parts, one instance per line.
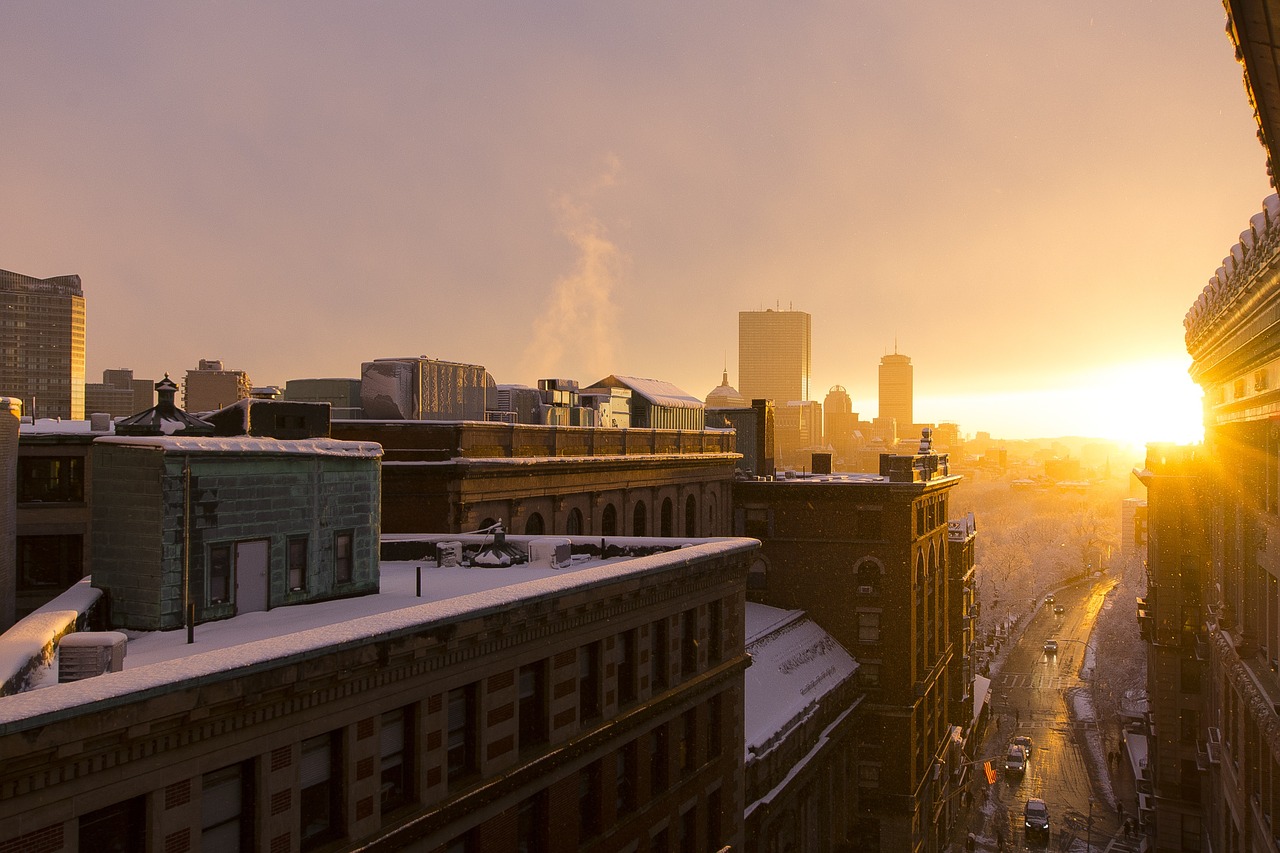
x=252 y=576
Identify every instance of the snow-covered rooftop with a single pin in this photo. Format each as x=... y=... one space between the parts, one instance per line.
x=794 y=663
x=250 y=445
x=656 y=391
x=157 y=660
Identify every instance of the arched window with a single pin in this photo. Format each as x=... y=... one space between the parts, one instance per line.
x=668 y=527
x=573 y=524
x=868 y=576
x=933 y=561
x=758 y=574
x=711 y=529
x=920 y=568
x=639 y=520
x=690 y=516
x=534 y=526
x=488 y=522
x=609 y=521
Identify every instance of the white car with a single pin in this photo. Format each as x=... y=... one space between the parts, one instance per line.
x=1016 y=760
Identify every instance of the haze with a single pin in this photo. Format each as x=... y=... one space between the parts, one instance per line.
x=1024 y=198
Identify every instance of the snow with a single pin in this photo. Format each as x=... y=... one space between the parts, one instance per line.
x=58 y=426
x=657 y=392
x=542 y=461
x=31 y=641
x=249 y=445
x=157 y=660
x=794 y=663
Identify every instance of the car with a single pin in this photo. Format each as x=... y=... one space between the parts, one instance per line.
x=1058 y=609
x=1050 y=647
x=1016 y=760
x=1048 y=599
x=1035 y=817
x=1023 y=741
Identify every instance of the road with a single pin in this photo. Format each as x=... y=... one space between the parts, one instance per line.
x=1029 y=696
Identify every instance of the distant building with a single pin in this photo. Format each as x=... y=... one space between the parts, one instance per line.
x=1133 y=529
x=798 y=431
x=657 y=404
x=897 y=391
x=119 y=394
x=424 y=389
x=42 y=331
x=725 y=396
x=774 y=360
x=753 y=429
x=840 y=423
x=962 y=623
x=342 y=395
x=210 y=387
x=866 y=556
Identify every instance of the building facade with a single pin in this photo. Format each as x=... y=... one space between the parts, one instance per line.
x=897 y=392
x=465 y=476
x=119 y=394
x=42 y=344
x=774 y=360
x=10 y=414
x=600 y=709
x=866 y=556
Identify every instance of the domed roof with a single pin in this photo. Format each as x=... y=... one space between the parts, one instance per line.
x=725 y=396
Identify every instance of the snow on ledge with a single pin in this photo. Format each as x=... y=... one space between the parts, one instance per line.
x=32 y=642
x=248 y=444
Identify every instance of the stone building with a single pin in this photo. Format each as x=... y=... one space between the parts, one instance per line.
x=597 y=706
x=867 y=558
x=461 y=477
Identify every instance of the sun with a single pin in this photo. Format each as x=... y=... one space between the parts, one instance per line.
x=1142 y=402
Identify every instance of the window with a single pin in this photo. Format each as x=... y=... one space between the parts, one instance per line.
x=639 y=520
x=868 y=627
x=534 y=526
x=321 y=795
x=659 y=760
x=219 y=574
x=297 y=562
x=659 y=647
x=625 y=779
x=667 y=523
x=462 y=733
x=690 y=516
x=609 y=521
x=119 y=827
x=589 y=818
x=342 y=557
x=688 y=643
x=589 y=682
x=533 y=704
x=689 y=829
x=868 y=674
x=396 y=756
x=688 y=741
x=714 y=824
x=50 y=479
x=49 y=562
x=532 y=824
x=627 y=667
x=756 y=523
x=715 y=725
x=226 y=801
x=573 y=525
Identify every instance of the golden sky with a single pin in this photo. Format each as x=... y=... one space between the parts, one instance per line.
x=1024 y=197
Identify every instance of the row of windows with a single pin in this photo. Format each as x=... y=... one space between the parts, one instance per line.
x=536 y=525
x=45 y=479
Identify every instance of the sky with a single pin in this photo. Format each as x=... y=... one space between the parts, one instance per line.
x=1023 y=198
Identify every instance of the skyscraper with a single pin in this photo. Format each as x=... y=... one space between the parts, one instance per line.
x=896 y=390
x=42 y=343
x=773 y=355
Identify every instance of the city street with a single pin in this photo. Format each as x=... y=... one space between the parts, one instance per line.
x=1030 y=696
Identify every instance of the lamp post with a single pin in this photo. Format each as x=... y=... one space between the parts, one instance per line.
x=1089 y=837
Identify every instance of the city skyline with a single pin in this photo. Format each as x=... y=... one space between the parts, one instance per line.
x=323 y=186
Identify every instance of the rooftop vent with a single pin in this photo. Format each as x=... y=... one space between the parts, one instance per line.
x=88 y=653
x=556 y=553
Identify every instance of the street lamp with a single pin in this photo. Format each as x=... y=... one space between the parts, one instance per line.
x=1089 y=837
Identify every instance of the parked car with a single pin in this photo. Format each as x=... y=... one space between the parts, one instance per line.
x=1016 y=760
x=1050 y=647
x=1023 y=741
x=1035 y=818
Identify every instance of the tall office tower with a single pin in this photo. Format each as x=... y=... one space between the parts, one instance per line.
x=896 y=391
x=42 y=343
x=773 y=355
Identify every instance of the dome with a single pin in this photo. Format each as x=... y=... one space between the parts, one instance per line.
x=725 y=396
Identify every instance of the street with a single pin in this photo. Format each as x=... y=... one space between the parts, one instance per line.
x=1068 y=766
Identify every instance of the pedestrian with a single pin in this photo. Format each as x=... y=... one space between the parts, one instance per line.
x=1017 y=715
x=999 y=838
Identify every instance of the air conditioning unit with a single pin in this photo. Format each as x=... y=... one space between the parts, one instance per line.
x=866 y=590
x=553 y=552
x=88 y=653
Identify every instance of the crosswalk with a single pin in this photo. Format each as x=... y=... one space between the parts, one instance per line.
x=1034 y=681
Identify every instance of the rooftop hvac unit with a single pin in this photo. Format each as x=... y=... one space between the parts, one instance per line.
x=449 y=554
x=555 y=553
x=89 y=653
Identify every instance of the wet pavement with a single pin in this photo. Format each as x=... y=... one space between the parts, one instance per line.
x=1043 y=695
